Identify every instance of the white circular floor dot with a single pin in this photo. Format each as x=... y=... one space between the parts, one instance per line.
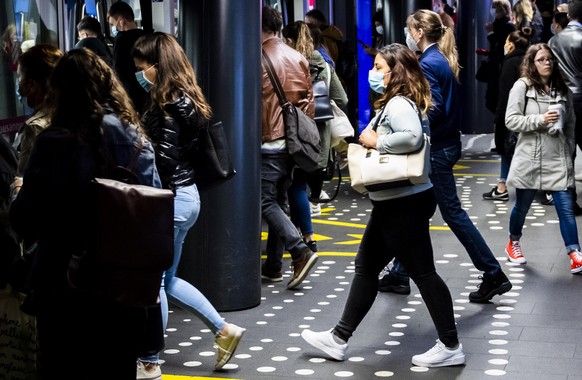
x=266 y=369
x=418 y=369
x=383 y=374
x=495 y=372
x=192 y=363
x=304 y=372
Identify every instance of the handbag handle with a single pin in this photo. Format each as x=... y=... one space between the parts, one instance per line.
x=274 y=79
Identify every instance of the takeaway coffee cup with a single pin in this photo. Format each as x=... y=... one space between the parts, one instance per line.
x=560 y=110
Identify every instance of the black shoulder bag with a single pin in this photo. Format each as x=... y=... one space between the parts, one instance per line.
x=301 y=134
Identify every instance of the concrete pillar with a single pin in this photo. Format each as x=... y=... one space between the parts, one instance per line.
x=221 y=254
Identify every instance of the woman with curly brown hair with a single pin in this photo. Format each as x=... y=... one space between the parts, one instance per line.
x=93 y=126
x=400 y=216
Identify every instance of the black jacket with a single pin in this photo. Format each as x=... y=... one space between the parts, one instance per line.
x=509 y=74
x=174 y=134
x=502 y=27
x=567 y=46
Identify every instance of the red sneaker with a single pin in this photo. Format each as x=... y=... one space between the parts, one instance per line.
x=514 y=254
x=575 y=261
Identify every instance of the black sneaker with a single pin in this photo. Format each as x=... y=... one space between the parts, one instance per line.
x=312 y=245
x=270 y=275
x=490 y=287
x=495 y=195
x=392 y=284
x=549 y=199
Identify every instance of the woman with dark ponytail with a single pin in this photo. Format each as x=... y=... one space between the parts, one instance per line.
x=515 y=46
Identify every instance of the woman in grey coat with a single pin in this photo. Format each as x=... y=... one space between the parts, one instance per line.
x=545 y=147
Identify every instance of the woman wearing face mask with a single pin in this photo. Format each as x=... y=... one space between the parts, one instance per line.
x=440 y=66
x=515 y=46
x=400 y=216
x=177 y=108
x=377 y=35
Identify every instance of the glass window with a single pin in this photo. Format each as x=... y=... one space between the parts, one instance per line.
x=23 y=24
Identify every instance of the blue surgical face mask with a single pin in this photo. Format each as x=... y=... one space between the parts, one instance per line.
x=376 y=81
x=143 y=81
x=380 y=29
x=113 y=31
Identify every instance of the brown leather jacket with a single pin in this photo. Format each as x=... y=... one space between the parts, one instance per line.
x=293 y=71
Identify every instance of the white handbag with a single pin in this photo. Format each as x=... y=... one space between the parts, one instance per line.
x=340 y=125
x=372 y=171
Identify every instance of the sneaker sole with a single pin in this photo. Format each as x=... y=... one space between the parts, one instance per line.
x=231 y=349
x=505 y=287
x=299 y=279
x=496 y=199
x=334 y=355
x=577 y=270
x=458 y=359
x=518 y=261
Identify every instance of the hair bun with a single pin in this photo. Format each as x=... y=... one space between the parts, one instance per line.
x=526 y=31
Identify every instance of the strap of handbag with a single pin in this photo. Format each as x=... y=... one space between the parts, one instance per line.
x=383 y=107
x=274 y=79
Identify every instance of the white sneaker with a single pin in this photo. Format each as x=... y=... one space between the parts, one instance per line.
x=315 y=209
x=440 y=356
x=325 y=342
x=324 y=196
x=154 y=373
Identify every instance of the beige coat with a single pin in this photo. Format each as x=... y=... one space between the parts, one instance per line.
x=541 y=161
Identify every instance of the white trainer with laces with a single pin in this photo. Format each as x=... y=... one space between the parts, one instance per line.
x=324 y=341
x=440 y=356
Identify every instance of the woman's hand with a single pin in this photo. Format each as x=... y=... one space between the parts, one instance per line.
x=368 y=138
x=551 y=117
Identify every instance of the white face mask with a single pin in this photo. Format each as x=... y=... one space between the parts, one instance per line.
x=493 y=13
x=411 y=43
x=380 y=29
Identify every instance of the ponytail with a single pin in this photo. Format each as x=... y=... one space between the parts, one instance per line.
x=447 y=46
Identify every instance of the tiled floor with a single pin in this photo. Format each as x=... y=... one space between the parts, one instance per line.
x=532 y=332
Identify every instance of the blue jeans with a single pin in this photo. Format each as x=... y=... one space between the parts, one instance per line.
x=299 y=202
x=441 y=176
x=563 y=201
x=174 y=289
x=504 y=172
x=276 y=170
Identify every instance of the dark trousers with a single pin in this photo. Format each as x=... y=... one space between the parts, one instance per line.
x=399 y=228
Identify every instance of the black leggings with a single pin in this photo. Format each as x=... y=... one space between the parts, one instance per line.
x=399 y=228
